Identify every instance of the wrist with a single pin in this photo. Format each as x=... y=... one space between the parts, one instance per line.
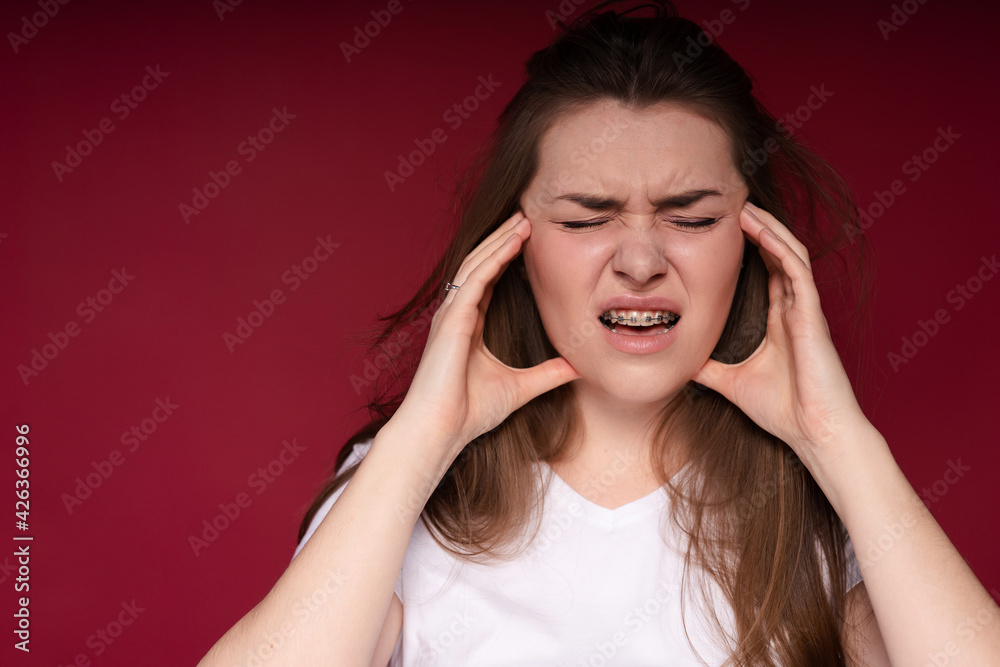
x=417 y=445
x=852 y=465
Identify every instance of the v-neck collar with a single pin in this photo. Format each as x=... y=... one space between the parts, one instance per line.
x=605 y=516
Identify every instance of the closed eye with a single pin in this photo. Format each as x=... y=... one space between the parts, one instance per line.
x=680 y=223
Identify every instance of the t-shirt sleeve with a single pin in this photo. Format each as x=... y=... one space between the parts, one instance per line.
x=853 y=574
x=358 y=453
x=853 y=569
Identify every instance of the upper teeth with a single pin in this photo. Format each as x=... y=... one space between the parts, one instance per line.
x=639 y=318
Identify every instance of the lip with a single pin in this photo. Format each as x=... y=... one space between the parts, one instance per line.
x=642 y=344
x=633 y=302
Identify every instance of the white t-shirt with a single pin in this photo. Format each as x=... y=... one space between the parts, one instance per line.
x=598 y=587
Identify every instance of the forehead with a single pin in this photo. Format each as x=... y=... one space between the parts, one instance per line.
x=661 y=147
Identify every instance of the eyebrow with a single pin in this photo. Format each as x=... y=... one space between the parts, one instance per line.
x=604 y=203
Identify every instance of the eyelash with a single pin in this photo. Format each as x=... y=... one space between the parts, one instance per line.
x=682 y=223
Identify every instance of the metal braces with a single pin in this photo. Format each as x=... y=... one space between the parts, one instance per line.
x=621 y=318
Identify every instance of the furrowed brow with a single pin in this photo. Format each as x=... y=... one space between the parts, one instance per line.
x=603 y=203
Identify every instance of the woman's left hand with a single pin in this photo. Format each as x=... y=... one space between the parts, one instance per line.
x=794 y=384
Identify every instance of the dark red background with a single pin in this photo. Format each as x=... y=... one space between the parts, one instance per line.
x=323 y=176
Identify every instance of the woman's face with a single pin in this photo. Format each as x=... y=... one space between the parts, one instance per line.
x=607 y=163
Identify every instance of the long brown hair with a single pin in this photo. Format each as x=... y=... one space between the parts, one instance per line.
x=755 y=519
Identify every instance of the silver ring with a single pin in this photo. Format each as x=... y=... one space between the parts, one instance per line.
x=449 y=286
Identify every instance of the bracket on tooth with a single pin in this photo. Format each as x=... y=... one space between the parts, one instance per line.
x=621 y=318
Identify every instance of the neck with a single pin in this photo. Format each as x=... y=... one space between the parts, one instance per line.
x=614 y=433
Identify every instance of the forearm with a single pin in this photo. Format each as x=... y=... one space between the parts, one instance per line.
x=927 y=600
x=329 y=605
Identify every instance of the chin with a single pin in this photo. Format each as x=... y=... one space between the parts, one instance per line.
x=635 y=387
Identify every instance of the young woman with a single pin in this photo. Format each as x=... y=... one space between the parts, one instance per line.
x=629 y=438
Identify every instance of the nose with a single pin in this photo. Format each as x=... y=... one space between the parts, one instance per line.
x=640 y=257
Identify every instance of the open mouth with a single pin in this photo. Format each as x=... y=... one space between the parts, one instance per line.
x=639 y=323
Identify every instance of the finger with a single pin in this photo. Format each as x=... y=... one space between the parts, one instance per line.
x=546 y=376
x=494 y=238
x=716 y=376
x=486 y=247
x=751 y=229
x=720 y=376
x=483 y=250
x=797 y=277
x=482 y=300
x=779 y=283
x=523 y=232
x=469 y=299
x=780 y=230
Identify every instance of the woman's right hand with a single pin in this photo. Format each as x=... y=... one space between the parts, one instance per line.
x=460 y=390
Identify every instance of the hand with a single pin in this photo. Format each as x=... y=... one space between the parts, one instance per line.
x=794 y=384
x=460 y=390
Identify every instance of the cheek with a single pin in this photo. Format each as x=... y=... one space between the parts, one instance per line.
x=548 y=261
x=542 y=263
x=710 y=271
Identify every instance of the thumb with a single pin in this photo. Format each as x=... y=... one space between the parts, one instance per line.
x=716 y=376
x=546 y=376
